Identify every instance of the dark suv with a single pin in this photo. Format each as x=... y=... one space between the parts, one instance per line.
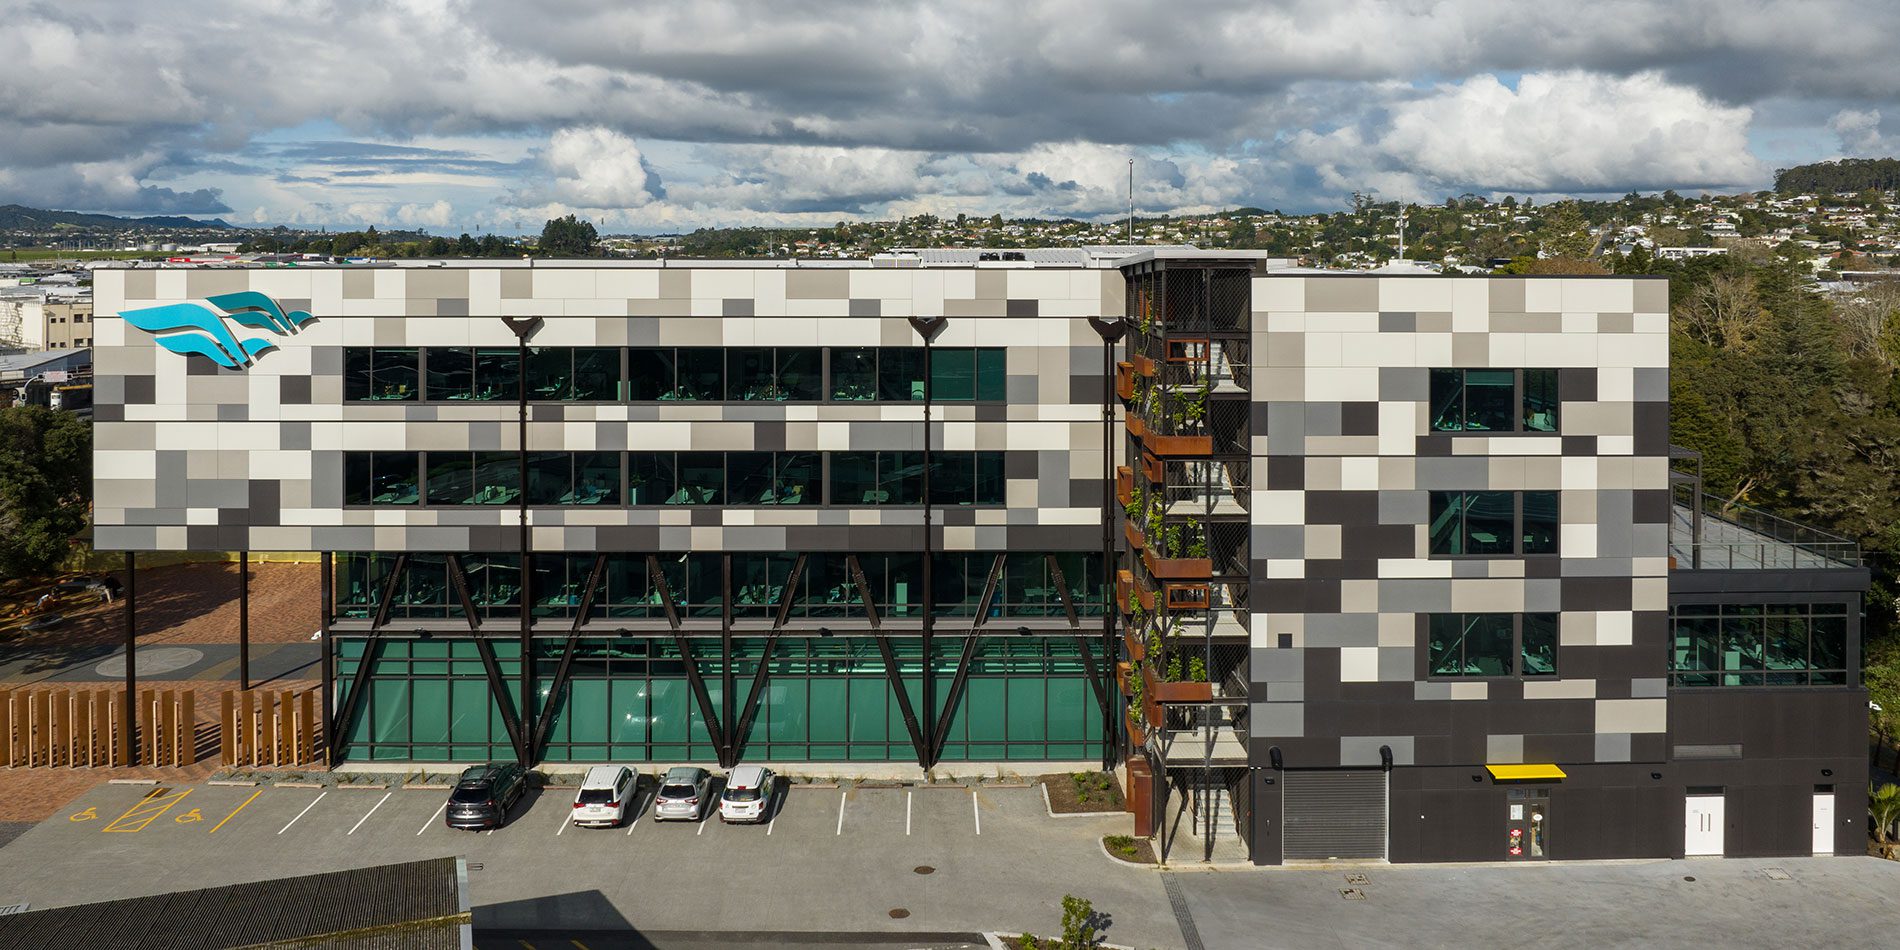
x=484 y=794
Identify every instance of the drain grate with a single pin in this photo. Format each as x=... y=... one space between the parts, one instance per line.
x=924 y=869
x=474 y=865
x=1689 y=879
x=1358 y=880
x=1776 y=874
x=1352 y=893
x=899 y=913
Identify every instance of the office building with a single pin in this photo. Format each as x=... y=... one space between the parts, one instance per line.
x=1385 y=565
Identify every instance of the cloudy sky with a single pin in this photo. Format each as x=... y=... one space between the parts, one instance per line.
x=477 y=115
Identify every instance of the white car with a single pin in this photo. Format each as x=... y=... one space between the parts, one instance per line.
x=748 y=794
x=605 y=797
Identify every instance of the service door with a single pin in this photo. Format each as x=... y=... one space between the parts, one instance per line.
x=1823 y=822
x=1328 y=815
x=1703 y=826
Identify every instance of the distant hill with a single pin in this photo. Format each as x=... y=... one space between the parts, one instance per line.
x=1847 y=174
x=22 y=218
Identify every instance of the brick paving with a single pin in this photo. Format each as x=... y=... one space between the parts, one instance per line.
x=181 y=603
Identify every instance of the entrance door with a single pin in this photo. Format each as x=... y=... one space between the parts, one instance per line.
x=1527 y=825
x=1702 y=831
x=1824 y=822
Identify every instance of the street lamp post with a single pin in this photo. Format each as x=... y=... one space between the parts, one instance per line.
x=523 y=328
x=928 y=328
x=1110 y=331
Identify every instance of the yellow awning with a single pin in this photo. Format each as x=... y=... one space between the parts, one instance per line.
x=1524 y=773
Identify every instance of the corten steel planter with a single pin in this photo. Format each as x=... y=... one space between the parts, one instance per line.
x=1125 y=380
x=1161 y=691
x=1135 y=538
x=1178 y=568
x=1179 y=445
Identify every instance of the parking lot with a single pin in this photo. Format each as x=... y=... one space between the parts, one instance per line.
x=950 y=859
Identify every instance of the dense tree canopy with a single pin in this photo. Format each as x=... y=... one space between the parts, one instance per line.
x=45 y=486
x=569 y=237
x=1845 y=175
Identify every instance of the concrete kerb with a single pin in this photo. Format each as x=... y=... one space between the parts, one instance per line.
x=1051 y=808
x=995 y=940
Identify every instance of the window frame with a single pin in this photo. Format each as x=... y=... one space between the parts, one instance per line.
x=1518 y=498
x=987 y=486
x=1721 y=619
x=1520 y=394
x=1427 y=668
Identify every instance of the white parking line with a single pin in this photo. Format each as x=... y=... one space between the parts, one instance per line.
x=975 y=812
x=306 y=810
x=774 y=822
x=432 y=818
x=372 y=811
x=841 y=813
x=563 y=827
x=703 y=822
x=907 y=795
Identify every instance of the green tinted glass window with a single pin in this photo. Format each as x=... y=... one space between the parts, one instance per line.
x=854 y=374
x=451 y=372
x=952 y=374
x=650 y=374
x=992 y=379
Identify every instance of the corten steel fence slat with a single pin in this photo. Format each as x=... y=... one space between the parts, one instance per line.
x=269 y=728
x=68 y=728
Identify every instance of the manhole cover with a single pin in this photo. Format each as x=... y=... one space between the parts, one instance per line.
x=152 y=661
x=924 y=869
x=1777 y=874
x=1359 y=879
x=899 y=913
x=1352 y=893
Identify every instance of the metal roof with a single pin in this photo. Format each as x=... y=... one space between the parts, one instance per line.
x=420 y=904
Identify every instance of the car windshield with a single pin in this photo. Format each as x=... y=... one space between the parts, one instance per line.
x=596 y=796
x=742 y=794
x=469 y=794
x=678 y=791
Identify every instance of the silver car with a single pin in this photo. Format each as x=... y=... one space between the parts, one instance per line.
x=685 y=793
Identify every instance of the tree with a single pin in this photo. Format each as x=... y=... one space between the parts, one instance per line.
x=1724 y=312
x=1883 y=807
x=1563 y=232
x=45 y=485
x=569 y=237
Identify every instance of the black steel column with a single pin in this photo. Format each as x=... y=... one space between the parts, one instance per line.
x=244 y=620
x=523 y=328
x=324 y=598
x=128 y=736
x=928 y=328
x=1110 y=331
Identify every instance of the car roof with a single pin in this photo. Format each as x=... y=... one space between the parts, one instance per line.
x=745 y=776
x=684 y=773
x=601 y=776
x=480 y=773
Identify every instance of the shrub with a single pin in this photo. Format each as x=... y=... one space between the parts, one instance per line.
x=1078 y=923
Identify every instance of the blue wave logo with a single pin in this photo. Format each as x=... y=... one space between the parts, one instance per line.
x=195 y=329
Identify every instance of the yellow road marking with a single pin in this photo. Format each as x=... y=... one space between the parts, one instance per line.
x=233 y=814
x=525 y=945
x=153 y=807
x=578 y=945
x=89 y=814
x=189 y=817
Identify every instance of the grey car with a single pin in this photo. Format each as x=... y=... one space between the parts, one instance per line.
x=685 y=793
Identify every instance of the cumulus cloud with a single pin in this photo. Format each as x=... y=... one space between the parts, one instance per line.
x=1859 y=132
x=827 y=109
x=1554 y=133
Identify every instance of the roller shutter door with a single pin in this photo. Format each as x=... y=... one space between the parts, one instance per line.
x=1333 y=815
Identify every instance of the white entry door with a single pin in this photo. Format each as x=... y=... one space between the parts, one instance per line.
x=1703 y=828
x=1823 y=822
